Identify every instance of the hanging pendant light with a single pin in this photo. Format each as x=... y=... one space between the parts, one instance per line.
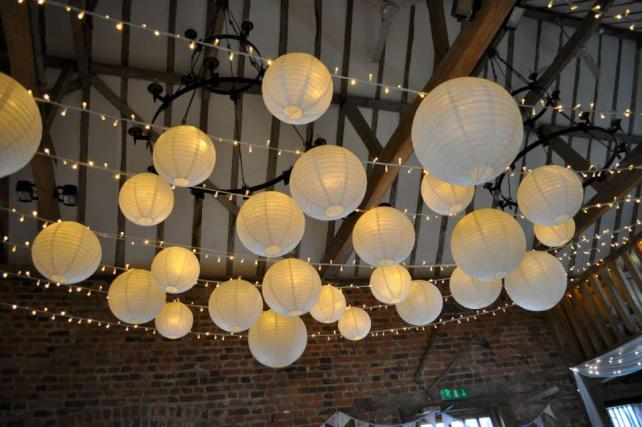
x=472 y=293
x=175 y=269
x=134 y=297
x=146 y=199
x=277 y=341
x=539 y=283
x=444 y=198
x=555 y=235
x=174 y=321
x=331 y=305
x=390 y=285
x=355 y=324
x=423 y=304
x=291 y=287
x=235 y=305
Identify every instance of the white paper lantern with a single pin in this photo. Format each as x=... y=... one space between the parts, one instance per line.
x=133 y=297
x=174 y=321
x=184 y=156
x=555 y=235
x=146 y=199
x=270 y=224
x=175 y=269
x=488 y=244
x=328 y=182
x=472 y=293
x=66 y=252
x=297 y=88
x=331 y=305
x=445 y=198
x=20 y=126
x=550 y=195
x=235 y=305
x=539 y=283
x=277 y=341
x=383 y=236
x=390 y=285
x=467 y=131
x=423 y=305
x=291 y=287
x=355 y=324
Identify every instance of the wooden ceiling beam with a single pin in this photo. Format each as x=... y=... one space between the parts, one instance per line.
x=438 y=29
x=362 y=128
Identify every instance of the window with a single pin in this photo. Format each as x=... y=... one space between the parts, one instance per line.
x=475 y=422
x=626 y=415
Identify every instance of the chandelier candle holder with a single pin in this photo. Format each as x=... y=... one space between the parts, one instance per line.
x=277 y=341
x=291 y=287
x=175 y=269
x=423 y=304
x=174 y=321
x=146 y=199
x=390 y=285
x=539 y=283
x=331 y=305
x=472 y=293
x=235 y=305
x=134 y=297
x=355 y=324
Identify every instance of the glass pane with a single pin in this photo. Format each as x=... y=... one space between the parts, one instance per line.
x=472 y=422
x=625 y=415
x=485 y=422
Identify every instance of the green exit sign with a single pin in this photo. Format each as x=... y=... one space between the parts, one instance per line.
x=459 y=393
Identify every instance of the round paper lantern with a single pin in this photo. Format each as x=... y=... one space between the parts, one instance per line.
x=539 y=283
x=146 y=199
x=355 y=324
x=445 y=198
x=20 y=126
x=270 y=224
x=472 y=293
x=423 y=305
x=133 y=297
x=331 y=305
x=277 y=341
x=390 y=285
x=184 y=156
x=297 y=88
x=174 y=321
x=66 y=252
x=235 y=305
x=328 y=182
x=291 y=287
x=175 y=269
x=467 y=131
x=383 y=236
x=555 y=235
x=550 y=195
x=488 y=244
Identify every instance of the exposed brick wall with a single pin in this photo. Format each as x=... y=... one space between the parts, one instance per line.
x=54 y=373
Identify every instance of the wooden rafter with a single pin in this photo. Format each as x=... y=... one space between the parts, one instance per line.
x=438 y=29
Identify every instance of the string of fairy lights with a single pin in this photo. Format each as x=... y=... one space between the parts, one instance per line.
x=622 y=16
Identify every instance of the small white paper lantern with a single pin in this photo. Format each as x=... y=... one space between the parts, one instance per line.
x=467 y=131
x=550 y=195
x=235 y=305
x=445 y=198
x=146 y=199
x=291 y=287
x=555 y=235
x=66 y=252
x=383 y=236
x=472 y=293
x=331 y=305
x=20 y=126
x=390 y=285
x=134 y=298
x=184 y=156
x=328 y=182
x=355 y=324
x=488 y=244
x=423 y=305
x=297 y=88
x=277 y=341
x=539 y=283
x=175 y=269
x=270 y=224
x=174 y=321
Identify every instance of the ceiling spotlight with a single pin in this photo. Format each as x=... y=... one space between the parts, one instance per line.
x=67 y=194
x=464 y=10
x=26 y=191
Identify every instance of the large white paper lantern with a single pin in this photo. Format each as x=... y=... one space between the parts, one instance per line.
x=328 y=182
x=133 y=297
x=488 y=244
x=277 y=341
x=291 y=287
x=555 y=235
x=539 y=283
x=235 y=305
x=174 y=321
x=20 y=126
x=331 y=305
x=390 y=285
x=66 y=252
x=270 y=224
x=175 y=269
x=423 y=305
x=467 y=131
x=550 y=195
x=355 y=324
x=184 y=156
x=146 y=199
x=443 y=197
x=383 y=236
x=472 y=293
x=297 y=88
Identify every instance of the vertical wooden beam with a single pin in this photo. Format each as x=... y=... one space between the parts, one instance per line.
x=598 y=318
x=318 y=18
x=616 y=325
x=590 y=321
x=627 y=299
x=617 y=303
x=579 y=331
x=633 y=271
x=438 y=29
